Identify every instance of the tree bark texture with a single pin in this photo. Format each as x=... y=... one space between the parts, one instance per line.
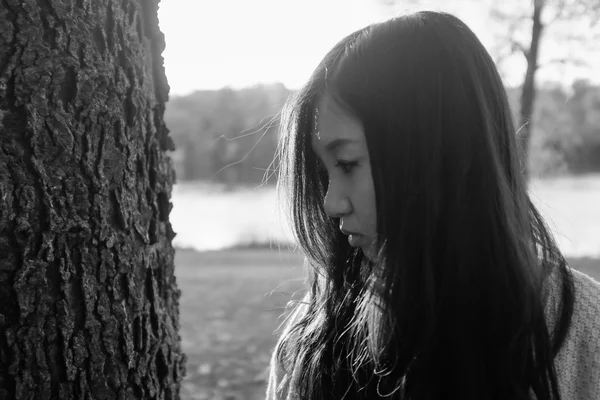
x=88 y=298
x=528 y=90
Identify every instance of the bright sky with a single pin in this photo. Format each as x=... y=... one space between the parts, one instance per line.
x=237 y=43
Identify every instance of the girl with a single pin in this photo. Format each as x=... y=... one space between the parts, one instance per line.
x=431 y=273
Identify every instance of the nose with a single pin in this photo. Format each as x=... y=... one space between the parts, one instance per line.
x=337 y=203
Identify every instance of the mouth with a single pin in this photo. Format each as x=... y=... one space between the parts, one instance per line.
x=354 y=239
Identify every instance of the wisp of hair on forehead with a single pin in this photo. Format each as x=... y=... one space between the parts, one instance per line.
x=453 y=305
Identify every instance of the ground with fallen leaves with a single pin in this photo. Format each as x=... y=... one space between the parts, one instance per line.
x=230 y=306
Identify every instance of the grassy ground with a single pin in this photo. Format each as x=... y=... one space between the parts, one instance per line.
x=230 y=305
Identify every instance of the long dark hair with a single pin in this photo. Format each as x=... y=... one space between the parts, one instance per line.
x=453 y=306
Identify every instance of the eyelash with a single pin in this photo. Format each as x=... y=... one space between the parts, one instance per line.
x=346 y=166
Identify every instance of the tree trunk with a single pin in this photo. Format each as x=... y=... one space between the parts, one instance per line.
x=528 y=91
x=88 y=299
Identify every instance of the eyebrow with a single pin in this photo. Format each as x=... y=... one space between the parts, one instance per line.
x=335 y=144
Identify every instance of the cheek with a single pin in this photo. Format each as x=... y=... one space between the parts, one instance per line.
x=367 y=203
x=372 y=213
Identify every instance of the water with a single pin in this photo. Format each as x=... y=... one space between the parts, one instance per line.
x=210 y=217
x=571 y=207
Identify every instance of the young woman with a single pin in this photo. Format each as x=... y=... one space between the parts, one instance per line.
x=431 y=273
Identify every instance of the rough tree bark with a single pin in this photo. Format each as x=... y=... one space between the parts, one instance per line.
x=88 y=299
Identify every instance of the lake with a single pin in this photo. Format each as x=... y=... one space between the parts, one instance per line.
x=210 y=216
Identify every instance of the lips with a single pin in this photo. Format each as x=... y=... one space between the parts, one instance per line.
x=354 y=239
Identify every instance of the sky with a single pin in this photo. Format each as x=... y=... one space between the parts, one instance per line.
x=239 y=43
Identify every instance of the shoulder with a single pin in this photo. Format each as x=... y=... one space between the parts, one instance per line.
x=587 y=292
x=586 y=307
x=578 y=361
x=280 y=370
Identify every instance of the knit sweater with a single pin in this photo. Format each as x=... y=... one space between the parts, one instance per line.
x=578 y=360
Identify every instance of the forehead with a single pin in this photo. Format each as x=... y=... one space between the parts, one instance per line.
x=333 y=122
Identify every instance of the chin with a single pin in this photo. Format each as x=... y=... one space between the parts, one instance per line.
x=369 y=252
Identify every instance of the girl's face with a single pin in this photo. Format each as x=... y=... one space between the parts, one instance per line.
x=339 y=143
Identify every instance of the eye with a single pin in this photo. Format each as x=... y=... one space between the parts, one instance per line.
x=346 y=166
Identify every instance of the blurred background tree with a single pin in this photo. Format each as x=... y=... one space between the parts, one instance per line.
x=523 y=27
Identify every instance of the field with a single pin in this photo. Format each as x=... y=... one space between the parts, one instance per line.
x=230 y=307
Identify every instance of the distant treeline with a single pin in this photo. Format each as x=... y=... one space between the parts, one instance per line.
x=230 y=136
x=566 y=130
x=226 y=135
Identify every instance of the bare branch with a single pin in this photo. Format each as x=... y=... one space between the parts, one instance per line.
x=515 y=46
x=572 y=37
x=513 y=19
x=567 y=10
x=559 y=13
x=566 y=60
x=514 y=23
